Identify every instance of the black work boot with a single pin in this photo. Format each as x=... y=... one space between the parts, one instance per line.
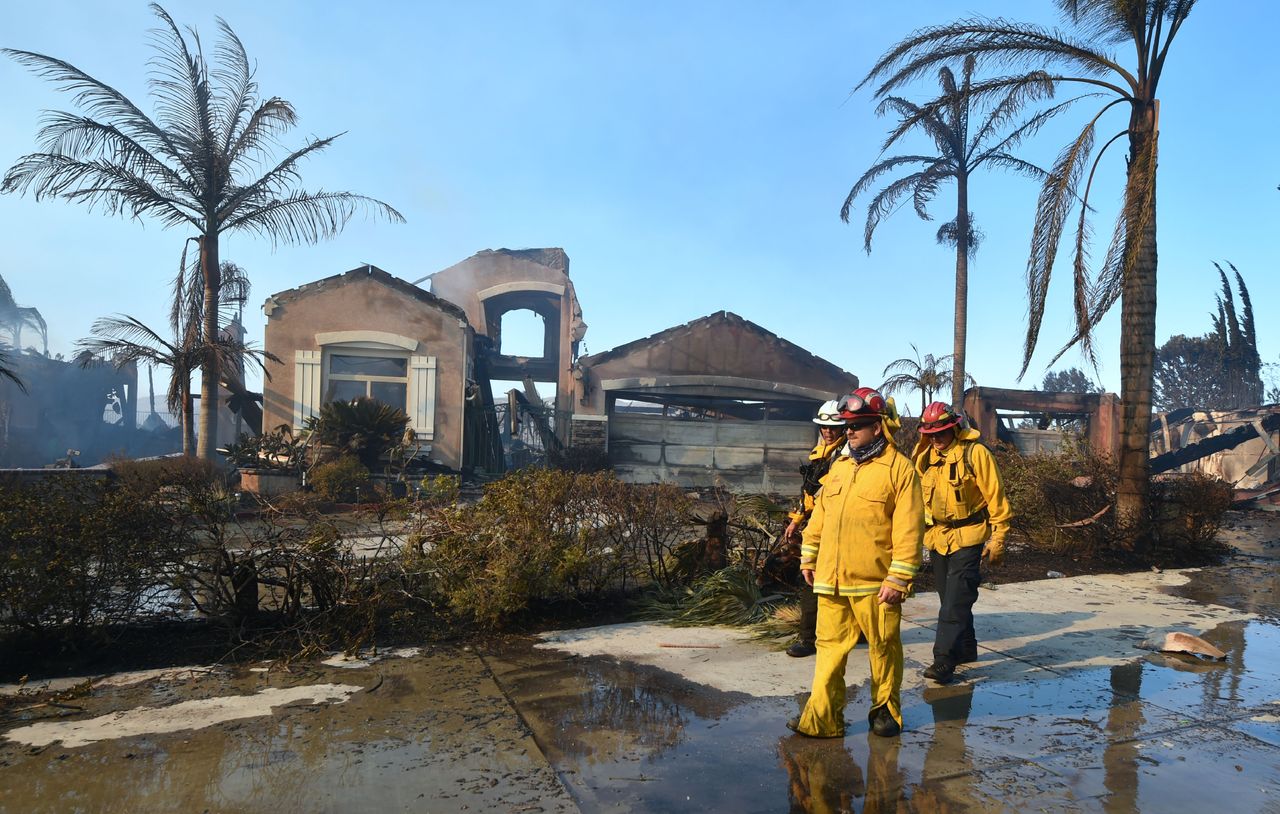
x=801 y=650
x=794 y=725
x=883 y=724
x=942 y=670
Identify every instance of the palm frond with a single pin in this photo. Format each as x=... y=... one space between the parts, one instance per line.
x=993 y=42
x=179 y=84
x=925 y=117
x=1014 y=164
x=876 y=170
x=97 y=183
x=98 y=100
x=926 y=188
x=1057 y=196
x=885 y=200
x=232 y=73
x=1017 y=93
x=949 y=235
x=272 y=184
x=271 y=118
x=309 y=217
x=125 y=329
x=7 y=372
x=83 y=138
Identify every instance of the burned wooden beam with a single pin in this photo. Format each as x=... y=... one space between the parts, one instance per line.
x=1214 y=443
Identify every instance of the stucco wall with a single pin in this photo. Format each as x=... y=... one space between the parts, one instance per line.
x=503 y=271
x=360 y=302
x=461 y=283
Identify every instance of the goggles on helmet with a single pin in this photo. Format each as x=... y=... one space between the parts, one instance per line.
x=862 y=402
x=937 y=426
x=937 y=417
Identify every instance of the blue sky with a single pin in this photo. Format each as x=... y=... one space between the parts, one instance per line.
x=689 y=157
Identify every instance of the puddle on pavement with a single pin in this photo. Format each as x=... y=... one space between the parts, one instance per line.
x=426 y=733
x=1126 y=738
x=1247 y=586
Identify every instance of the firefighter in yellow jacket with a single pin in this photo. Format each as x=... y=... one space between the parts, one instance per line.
x=967 y=517
x=861 y=553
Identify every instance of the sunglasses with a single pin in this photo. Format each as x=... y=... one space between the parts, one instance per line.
x=861 y=425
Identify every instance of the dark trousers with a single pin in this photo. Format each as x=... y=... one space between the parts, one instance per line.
x=808 y=612
x=957 y=577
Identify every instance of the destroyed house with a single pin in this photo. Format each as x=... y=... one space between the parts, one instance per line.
x=717 y=401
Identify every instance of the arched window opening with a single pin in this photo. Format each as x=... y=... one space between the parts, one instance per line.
x=523 y=333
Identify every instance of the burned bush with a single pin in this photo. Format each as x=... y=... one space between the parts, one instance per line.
x=77 y=555
x=545 y=536
x=1064 y=503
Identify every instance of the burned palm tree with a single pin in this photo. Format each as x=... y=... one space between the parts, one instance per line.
x=14 y=318
x=1129 y=81
x=204 y=161
x=967 y=139
x=123 y=339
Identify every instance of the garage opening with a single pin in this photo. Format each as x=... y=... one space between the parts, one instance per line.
x=743 y=444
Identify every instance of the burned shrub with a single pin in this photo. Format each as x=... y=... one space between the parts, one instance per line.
x=439 y=490
x=908 y=435
x=363 y=427
x=539 y=536
x=144 y=478
x=1064 y=503
x=76 y=555
x=1187 y=512
x=278 y=450
x=1060 y=500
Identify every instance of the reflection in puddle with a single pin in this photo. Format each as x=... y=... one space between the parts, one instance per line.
x=825 y=776
x=1127 y=738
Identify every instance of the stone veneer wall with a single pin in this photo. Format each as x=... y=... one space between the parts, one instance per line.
x=589 y=432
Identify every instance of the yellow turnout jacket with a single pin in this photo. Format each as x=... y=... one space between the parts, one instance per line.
x=957 y=491
x=866 y=527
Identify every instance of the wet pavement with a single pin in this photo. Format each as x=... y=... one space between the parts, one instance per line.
x=1062 y=712
x=1019 y=731
x=427 y=731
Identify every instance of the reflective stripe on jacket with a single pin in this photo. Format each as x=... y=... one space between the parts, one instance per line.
x=954 y=492
x=866 y=527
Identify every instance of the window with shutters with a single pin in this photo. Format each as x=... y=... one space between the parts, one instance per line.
x=344 y=371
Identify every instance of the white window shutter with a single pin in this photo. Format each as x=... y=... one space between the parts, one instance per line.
x=422 y=396
x=306 y=386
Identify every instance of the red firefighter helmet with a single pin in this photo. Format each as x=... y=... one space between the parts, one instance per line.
x=937 y=417
x=862 y=403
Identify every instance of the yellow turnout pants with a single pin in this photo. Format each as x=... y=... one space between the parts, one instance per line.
x=840 y=620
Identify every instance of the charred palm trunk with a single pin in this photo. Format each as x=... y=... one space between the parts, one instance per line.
x=960 y=335
x=209 y=373
x=188 y=424
x=1138 y=318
